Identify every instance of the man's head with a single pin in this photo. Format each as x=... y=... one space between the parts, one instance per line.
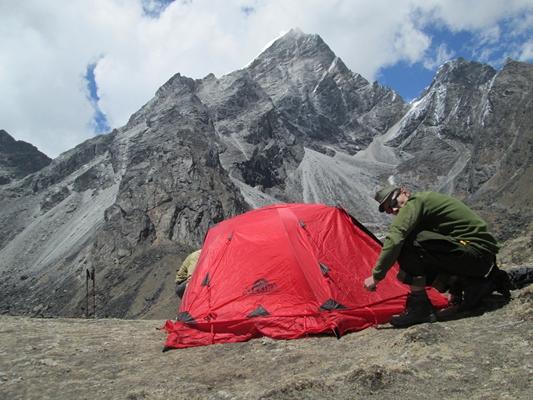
x=391 y=199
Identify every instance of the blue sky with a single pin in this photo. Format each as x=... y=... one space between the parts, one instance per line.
x=154 y=8
x=99 y=121
x=99 y=61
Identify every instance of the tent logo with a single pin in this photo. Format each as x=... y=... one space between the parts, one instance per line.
x=260 y=286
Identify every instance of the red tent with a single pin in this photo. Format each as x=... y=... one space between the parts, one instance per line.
x=285 y=271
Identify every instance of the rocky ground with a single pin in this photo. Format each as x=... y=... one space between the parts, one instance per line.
x=488 y=356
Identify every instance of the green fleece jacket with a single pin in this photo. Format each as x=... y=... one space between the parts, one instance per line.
x=435 y=212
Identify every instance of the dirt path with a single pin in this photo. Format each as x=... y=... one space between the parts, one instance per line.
x=484 y=357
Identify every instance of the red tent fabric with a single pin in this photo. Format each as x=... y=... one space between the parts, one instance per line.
x=285 y=271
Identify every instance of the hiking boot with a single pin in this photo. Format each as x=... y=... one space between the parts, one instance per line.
x=467 y=295
x=475 y=290
x=418 y=310
x=454 y=301
x=456 y=292
x=501 y=282
x=520 y=277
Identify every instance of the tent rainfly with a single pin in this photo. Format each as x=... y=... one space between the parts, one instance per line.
x=285 y=271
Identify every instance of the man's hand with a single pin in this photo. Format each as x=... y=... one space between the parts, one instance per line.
x=370 y=284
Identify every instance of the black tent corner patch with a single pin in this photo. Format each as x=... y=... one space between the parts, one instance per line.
x=324 y=268
x=205 y=282
x=259 y=312
x=331 y=305
x=185 y=317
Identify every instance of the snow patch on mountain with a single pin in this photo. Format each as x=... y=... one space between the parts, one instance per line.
x=266 y=46
x=326 y=72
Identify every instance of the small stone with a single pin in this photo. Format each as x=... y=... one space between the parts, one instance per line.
x=48 y=362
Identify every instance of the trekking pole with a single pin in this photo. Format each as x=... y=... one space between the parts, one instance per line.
x=87 y=293
x=94 y=291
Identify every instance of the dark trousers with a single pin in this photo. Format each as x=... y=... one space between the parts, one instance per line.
x=180 y=289
x=431 y=254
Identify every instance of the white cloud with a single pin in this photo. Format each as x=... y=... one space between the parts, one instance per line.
x=442 y=54
x=526 y=53
x=522 y=24
x=490 y=36
x=474 y=15
x=47 y=44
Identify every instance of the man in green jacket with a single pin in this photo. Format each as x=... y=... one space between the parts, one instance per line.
x=439 y=241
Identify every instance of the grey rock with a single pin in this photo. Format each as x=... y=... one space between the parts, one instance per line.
x=18 y=158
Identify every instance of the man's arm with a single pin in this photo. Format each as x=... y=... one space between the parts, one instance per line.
x=404 y=223
x=182 y=273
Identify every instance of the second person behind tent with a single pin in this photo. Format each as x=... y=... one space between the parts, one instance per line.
x=184 y=272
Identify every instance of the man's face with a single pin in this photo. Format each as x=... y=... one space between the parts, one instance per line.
x=395 y=202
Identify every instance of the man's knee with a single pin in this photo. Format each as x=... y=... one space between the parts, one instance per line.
x=410 y=279
x=416 y=264
x=412 y=263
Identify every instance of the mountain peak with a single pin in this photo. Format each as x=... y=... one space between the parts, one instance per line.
x=5 y=137
x=295 y=33
x=18 y=158
x=464 y=72
x=295 y=44
x=461 y=73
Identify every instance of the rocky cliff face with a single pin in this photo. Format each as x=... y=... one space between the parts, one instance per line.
x=294 y=125
x=18 y=158
x=470 y=135
x=128 y=205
